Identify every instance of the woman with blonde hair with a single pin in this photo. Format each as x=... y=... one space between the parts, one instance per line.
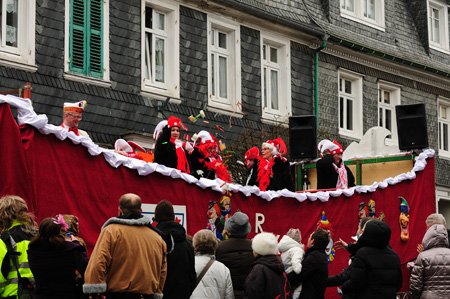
x=213 y=277
x=17 y=226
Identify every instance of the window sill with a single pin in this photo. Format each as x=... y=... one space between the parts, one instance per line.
x=228 y=111
x=373 y=24
x=160 y=97
x=350 y=135
x=444 y=155
x=20 y=65
x=87 y=80
x=439 y=48
x=274 y=121
x=161 y=92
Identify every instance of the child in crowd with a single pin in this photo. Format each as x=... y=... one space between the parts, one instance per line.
x=292 y=252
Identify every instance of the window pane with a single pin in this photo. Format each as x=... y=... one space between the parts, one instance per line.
x=341 y=112
x=445 y=137
x=148 y=55
x=348 y=87
x=223 y=77
x=348 y=5
x=213 y=36
x=388 y=120
x=264 y=52
x=11 y=23
x=443 y=112
x=274 y=55
x=387 y=97
x=160 y=21
x=435 y=25
x=213 y=79
x=380 y=117
x=148 y=17
x=274 y=89
x=349 y=114
x=265 y=86
x=222 y=40
x=369 y=9
x=159 y=60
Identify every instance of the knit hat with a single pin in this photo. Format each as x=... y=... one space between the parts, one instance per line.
x=164 y=211
x=238 y=225
x=332 y=147
x=251 y=154
x=295 y=234
x=265 y=244
x=175 y=122
x=74 y=107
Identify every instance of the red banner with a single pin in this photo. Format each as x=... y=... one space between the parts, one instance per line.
x=57 y=176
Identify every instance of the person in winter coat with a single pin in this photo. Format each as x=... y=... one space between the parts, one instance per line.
x=236 y=253
x=313 y=276
x=169 y=149
x=375 y=269
x=292 y=252
x=54 y=261
x=267 y=279
x=216 y=282
x=181 y=277
x=352 y=248
x=274 y=171
x=205 y=159
x=16 y=223
x=430 y=277
x=331 y=170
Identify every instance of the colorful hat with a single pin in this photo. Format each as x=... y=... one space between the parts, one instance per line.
x=128 y=147
x=204 y=137
x=175 y=122
x=404 y=207
x=277 y=146
x=159 y=128
x=332 y=147
x=77 y=107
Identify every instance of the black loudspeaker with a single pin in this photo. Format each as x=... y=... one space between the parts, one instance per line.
x=302 y=136
x=411 y=126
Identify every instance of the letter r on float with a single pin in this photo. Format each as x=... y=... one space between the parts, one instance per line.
x=259 y=220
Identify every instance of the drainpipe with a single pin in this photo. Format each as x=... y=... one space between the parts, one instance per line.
x=316 y=80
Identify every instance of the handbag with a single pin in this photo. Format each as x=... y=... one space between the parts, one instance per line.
x=25 y=286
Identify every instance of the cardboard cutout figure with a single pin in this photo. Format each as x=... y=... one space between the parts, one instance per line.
x=404 y=220
x=326 y=225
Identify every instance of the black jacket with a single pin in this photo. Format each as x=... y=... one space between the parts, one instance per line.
x=237 y=255
x=267 y=279
x=327 y=176
x=340 y=279
x=282 y=177
x=198 y=169
x=375 y=270
x=181 y=277
x=165 y=152
x=313 y=276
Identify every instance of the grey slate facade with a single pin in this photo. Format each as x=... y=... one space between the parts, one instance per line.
x=399 y=54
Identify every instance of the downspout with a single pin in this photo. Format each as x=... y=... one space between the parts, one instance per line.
x=316 y=80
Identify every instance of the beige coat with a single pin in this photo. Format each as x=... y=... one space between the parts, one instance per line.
x=128 y=257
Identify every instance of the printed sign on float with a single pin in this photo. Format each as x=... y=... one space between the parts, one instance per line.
x=180 y=213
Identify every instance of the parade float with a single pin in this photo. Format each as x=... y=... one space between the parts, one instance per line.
x=58 y=172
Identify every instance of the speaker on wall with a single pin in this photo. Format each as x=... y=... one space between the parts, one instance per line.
x=411 y=126
x=302 y=136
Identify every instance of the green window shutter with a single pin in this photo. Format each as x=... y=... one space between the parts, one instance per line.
x=86 y=37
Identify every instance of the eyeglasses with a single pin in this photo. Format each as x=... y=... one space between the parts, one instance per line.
x=76 y=116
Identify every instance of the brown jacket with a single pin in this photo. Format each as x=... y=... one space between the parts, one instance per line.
x=129 y=257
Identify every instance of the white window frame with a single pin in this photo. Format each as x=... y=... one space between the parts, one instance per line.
x=395 y=98
x=442 y=7
x=283 y=67
x=442 y=194
x=441 y=101
x=171 y=85
x=357 y=14
x=103 y=82
x=215 y=103
x=22 y=57
x=357 y=97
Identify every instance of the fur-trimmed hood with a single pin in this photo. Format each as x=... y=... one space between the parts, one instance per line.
x=287 y=243
x=129 y=219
